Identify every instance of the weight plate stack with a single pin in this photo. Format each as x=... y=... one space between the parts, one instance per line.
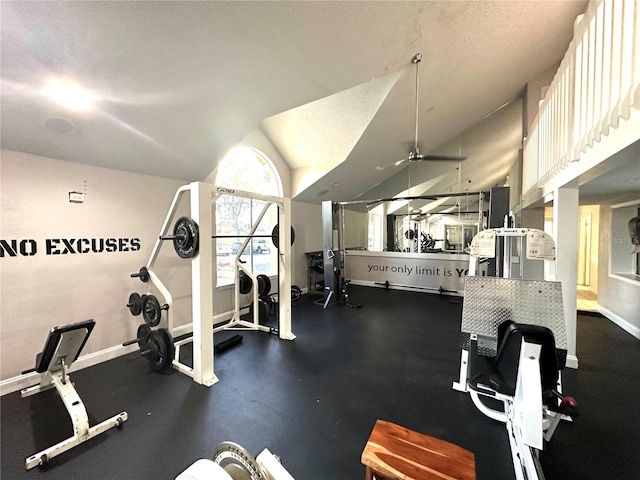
x=245 y=284
x=264 y=284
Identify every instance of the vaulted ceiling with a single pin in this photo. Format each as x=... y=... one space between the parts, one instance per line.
x=330 y=84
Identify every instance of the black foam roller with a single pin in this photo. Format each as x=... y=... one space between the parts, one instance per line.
x=228 y=343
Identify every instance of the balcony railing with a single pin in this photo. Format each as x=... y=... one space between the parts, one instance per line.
x=595 y=87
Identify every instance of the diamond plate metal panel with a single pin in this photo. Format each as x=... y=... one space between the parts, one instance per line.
x=489 y=301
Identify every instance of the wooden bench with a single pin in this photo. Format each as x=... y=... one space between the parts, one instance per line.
x=397 y=453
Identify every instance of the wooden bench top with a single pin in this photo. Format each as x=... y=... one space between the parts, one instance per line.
x=396 y=452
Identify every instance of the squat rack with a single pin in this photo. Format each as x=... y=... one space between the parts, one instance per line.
x=203 y=197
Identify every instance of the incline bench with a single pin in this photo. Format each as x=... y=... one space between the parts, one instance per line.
x=62 y=348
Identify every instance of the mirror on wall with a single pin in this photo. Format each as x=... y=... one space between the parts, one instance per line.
x=443 y=221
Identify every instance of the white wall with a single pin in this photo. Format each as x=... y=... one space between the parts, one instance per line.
x=306 y=219
x=618 y=299
x=45 y=290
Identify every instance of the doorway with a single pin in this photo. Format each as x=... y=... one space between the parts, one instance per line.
x=588 y=229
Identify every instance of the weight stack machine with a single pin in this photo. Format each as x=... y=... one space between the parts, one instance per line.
x=332 y=253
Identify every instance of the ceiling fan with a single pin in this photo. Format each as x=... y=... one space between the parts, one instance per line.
x=415 y=155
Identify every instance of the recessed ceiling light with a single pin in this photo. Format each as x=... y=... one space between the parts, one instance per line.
x=59 y=125
x=335 y=185
x=69 y=94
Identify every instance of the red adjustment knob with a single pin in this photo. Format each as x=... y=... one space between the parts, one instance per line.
x=568 y=406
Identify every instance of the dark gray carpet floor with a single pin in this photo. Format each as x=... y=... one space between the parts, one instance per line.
x=314 y=401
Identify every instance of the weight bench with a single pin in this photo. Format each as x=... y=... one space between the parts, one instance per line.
x=62 y=348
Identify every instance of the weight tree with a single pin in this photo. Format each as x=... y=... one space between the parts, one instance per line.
x=203 y=197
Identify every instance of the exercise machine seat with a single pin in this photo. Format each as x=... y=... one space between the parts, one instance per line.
x=48 y=355
x=503 y=370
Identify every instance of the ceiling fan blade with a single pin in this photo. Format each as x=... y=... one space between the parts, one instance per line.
x=444 y=158
x=396 y=164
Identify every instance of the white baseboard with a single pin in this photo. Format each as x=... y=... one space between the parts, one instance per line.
x=621 y=322
x=19 y=382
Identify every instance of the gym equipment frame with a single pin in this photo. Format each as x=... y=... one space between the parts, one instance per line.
x=231 y=461
x=530 y=359
x=203 y=274
x=62 y=348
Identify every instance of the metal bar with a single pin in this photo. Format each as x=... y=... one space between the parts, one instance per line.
x=417 y=197
x=167 y=220
x=240 y=193
x=284 y=271
x=203 y=286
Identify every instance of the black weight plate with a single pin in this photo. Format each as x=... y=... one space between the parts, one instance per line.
x=135 y=304
x=144 y=274
x=264 y=284
x=275 y=234
x=245 y=283
x=296 y=293
x=151 y=312
x=187 y=239
x=142 y=335
x=168 y=342
x=157 y=357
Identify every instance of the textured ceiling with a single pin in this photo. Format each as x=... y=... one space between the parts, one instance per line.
x=182 y=82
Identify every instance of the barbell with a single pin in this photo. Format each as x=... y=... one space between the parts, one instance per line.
x=186 y=237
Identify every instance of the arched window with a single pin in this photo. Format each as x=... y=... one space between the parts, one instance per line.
x=250 y=170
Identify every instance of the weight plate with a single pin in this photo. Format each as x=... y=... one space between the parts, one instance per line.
x=135 y=304
x=142 y=335
x=151 y=312
x=157 y=351
x=296 y=293
x=187 y=238
x=144 y=274
x=170 y=349
x=229 y=453
x=275 y=234
x=245 y=284
x=264 y=284
x=237 y=471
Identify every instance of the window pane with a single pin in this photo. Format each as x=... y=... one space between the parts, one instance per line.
x=248 y=170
